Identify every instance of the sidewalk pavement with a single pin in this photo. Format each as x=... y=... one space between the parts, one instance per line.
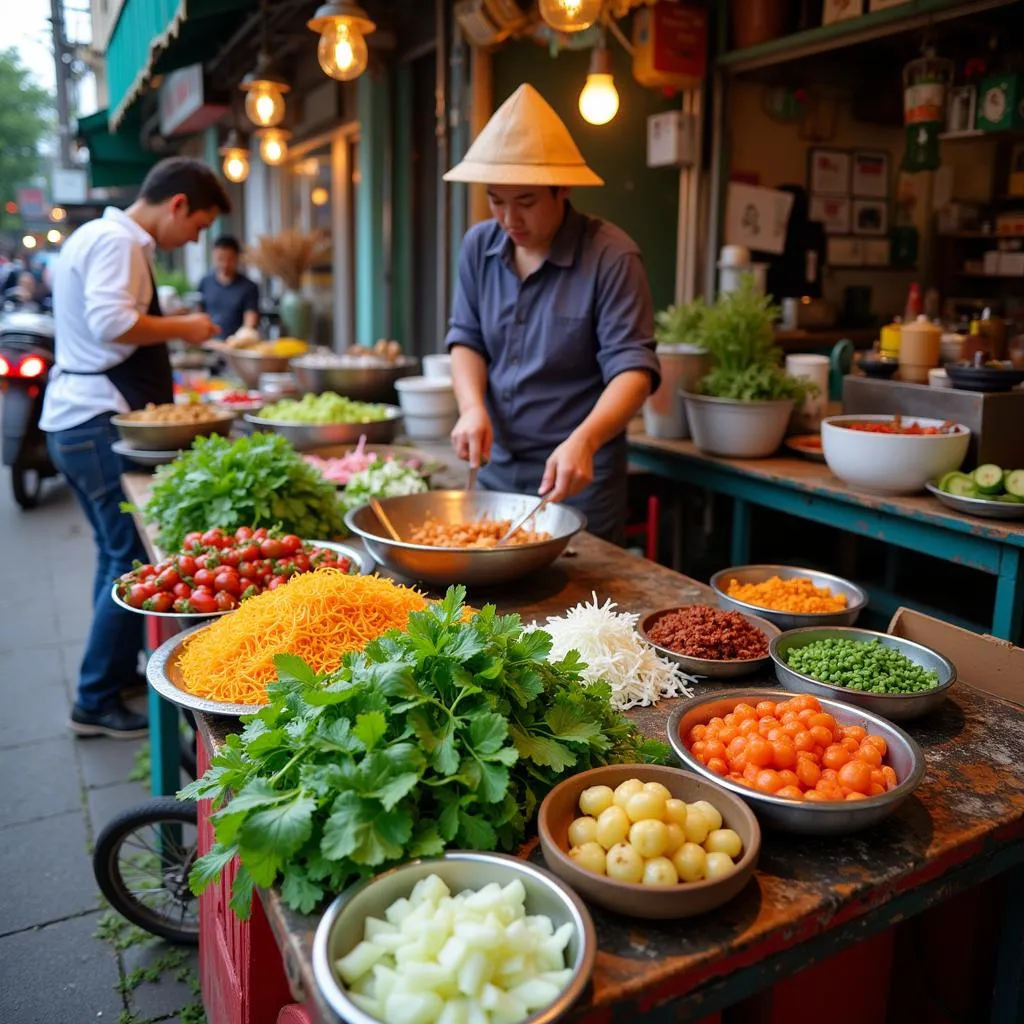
x=65 y=957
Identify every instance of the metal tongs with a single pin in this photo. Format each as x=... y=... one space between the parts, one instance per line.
x=523 y=520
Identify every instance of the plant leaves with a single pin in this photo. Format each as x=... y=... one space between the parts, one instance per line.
x=487 y=733
x=371 y=728
x=290 y=666
x=207 y=869
x=299 y=892
x=475 y=833
x=543 y=750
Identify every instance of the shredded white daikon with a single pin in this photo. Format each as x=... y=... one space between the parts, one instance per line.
x=614 y=652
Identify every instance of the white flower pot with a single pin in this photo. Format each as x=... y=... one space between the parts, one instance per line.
x=737 y=429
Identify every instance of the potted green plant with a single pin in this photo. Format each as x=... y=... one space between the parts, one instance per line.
x=684 y=361
x=741 y=407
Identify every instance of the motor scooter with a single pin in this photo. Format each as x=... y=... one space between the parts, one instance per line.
x=26 y=356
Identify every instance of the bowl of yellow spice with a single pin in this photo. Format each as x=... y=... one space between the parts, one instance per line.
x=789 y=596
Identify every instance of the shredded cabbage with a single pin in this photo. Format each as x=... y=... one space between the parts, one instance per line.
x=382 y=480
x=614 y=652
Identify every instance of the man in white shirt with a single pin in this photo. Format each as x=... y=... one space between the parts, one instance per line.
x=111 y=357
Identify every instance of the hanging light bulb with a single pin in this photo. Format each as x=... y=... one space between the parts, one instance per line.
x=570 y=15
x=264 y=101
x=236 y=158
x=319 y=196
x=342 y=49
x=599 y=99
x=274 y=145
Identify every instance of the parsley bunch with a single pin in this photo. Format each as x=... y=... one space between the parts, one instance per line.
x=447 y=734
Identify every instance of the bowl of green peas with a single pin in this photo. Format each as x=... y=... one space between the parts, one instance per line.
x=895 y=678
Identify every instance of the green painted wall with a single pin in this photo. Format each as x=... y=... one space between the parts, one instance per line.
x=643 y=201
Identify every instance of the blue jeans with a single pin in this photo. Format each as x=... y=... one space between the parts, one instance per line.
x=83 y=454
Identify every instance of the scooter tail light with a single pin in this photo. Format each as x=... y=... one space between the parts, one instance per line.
x=31 y=366
x=5 y=367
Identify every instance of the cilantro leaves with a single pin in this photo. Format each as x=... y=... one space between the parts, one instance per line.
x=449 y=734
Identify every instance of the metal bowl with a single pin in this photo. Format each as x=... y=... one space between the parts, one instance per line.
x=897 y=707
x=986 y=507
x=373 y=383
x=166 y=437
x=143 y=458
x=304 y=436
x=655 y=902
x=818 y=819
x=341 y=927
x=474 y=567
x=856 y=598
x=712 y=668
x=249 y=365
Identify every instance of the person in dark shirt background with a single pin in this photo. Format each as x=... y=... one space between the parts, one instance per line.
x=230 y=299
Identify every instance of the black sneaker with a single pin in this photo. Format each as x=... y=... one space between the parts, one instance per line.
x=117 y=722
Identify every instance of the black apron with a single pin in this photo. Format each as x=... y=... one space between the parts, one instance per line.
x=145 y=376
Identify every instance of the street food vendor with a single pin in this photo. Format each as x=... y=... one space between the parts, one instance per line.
x=551 y=332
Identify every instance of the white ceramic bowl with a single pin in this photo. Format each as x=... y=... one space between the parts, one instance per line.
x=735 y=429
x=426 y=396
x=890 y=463
x=437 y=365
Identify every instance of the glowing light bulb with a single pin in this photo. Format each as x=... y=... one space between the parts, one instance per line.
x=570 y=15
x=28 y=241
x=58 y=213
x=599 y=99
x=319 y=196
x=274 y=146
x=264 y=104
x=236 y=165
x=342 y=51
x=53 y=236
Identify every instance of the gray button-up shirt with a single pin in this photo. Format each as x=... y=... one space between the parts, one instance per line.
x=554 y=340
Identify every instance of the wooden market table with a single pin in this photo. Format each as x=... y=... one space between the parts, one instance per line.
x=811 y=898
x=807 y=489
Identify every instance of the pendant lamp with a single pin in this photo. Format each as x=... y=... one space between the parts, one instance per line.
x=599 y=99
x=570 y=15
x=264 y=93
x=236 y=158
x=342 y=50
x=273 y=145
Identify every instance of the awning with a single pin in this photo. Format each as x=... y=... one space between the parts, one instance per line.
x=153 y=37
x=116 y=159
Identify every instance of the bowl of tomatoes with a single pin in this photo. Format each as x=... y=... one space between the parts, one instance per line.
x=216 y=570
x=803 y=763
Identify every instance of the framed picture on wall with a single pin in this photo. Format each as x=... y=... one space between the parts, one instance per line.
x=833 y=212
x=830 y=172
x=845 y=252
x=870 y=217
x=870 y=174
x=877 y=252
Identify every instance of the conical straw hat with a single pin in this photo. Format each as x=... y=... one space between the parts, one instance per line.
x=524 y=143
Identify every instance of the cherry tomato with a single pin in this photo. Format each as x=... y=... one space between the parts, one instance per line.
x=140 y=592
x=272 y=548
x=204 y=577
x=162 y=602
x=291 y=543
x=214 y=538
x=260 y=534
x=243 y=533
x=231 y=558
x=186 y=565
x=183 y=606
x=192 y=539
x=248 y=570
x=249 y=553
x=203 y=603
x=168 y=580
x=277 y=581
x=301 y=562
x=226 y=602
x=182 y=590
x=229 y=581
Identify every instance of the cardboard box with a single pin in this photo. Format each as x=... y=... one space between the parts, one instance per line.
x=994 y=666
x=841 y=10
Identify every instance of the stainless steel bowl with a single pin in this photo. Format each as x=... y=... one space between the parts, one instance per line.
x=168 y=437
x=712 y=668
x=856 y=599
x=304 y=436
x=897 y=707
x=819 y=819
x=373 y=383
x=341 y=927
x=143 y=458
x=987 y=507
x=474 y=567
x=249 y=365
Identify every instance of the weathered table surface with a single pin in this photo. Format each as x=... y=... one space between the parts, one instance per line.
x=965 y=823
x=807 y=489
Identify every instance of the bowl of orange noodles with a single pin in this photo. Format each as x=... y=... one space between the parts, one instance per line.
x=224 y=666
x=451 y=536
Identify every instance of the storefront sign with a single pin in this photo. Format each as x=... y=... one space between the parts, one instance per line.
x=183 y=106
x=32 y=203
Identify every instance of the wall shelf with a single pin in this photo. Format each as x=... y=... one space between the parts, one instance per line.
x=875 y=25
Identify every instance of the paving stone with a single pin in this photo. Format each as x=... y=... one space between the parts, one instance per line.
x=33 y=694
x=170 y=995
x=105 y=762
x=46 y=872
x=30 y=623
x=59 y=973
x=106 y=803
x=47 y=780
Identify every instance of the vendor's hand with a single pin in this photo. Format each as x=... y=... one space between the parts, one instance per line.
x=570 y=468
x=195 y=328
x=473 y=435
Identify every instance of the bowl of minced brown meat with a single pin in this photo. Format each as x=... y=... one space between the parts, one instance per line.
x=707 y=641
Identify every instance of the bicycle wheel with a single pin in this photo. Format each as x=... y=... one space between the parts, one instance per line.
x=141 y=863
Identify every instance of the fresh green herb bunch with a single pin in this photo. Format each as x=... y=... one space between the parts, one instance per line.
x=737 y=331
x=255 y=481
x=867 y=666
x=680 y=324
x=447 y=734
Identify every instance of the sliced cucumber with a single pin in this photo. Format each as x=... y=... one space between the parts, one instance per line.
x=1009 y=499
x=961 y=485
x=1015 y=483
x=989 y=478
x=943 y=480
